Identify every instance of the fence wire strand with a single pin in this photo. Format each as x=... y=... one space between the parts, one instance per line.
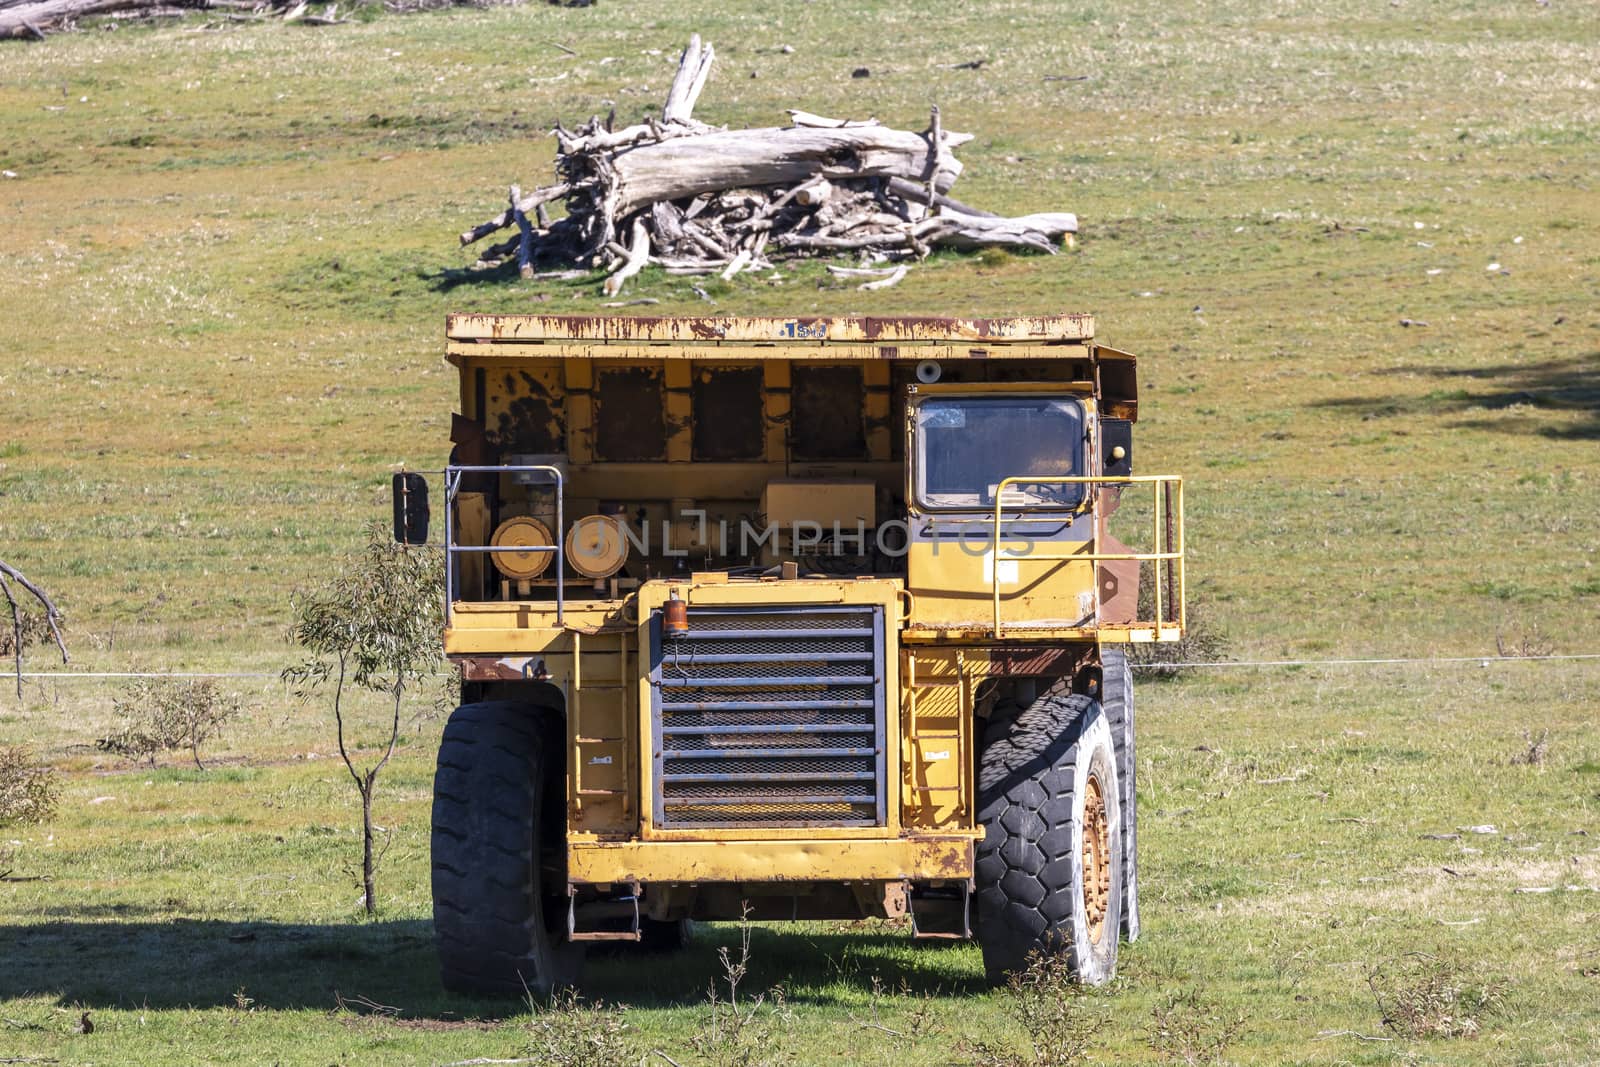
x=1482 y=661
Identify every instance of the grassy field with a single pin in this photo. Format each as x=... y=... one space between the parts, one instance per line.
x=224 y=265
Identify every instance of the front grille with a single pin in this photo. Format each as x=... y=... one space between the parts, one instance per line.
x=770 y=717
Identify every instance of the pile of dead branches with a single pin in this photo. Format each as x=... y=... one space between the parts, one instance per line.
x=35 y=18
x=696 y=199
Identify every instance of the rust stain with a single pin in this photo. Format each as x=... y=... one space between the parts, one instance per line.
x=498 y=668
x=800 y=329
x=531 y=421
x=954 y=860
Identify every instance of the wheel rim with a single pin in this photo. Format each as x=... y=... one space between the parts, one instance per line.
x=1096 y=859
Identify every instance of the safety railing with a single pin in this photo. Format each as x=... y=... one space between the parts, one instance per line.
x=1166 y=536
x=452 y=486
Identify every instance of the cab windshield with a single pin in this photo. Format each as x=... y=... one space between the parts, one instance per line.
x=967 y=445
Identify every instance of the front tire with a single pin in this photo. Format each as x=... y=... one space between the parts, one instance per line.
x=1049 y=867
x=1116 y=696
x=499 y=852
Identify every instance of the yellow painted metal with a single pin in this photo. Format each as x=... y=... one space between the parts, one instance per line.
x=953 y=583
x=517 y=531
x=808 y=330
x=1163 y=629
x=824 y=501
x=597 y=546
x=937 y=721
x=773 y=859
x=539 y=378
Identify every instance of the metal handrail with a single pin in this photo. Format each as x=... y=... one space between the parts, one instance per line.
x=1162 y=534
x=452 y=485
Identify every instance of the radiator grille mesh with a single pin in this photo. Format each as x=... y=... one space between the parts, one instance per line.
x=770 y=717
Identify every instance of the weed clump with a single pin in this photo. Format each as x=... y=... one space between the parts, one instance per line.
x=1186 y=1029
x=28 y=795
x=1203 y=639
x=162 y=715
x=1054 y=1012
x=1536 y=753
x=1421 y=995
x=568 y=1032
x=28 y=790
x=739 y=1031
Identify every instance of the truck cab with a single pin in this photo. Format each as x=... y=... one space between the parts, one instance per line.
x=791 y=618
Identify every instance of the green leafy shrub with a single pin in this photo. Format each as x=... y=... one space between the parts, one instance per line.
x=164 y=715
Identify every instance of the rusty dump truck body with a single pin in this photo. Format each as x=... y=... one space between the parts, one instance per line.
x=767 y=582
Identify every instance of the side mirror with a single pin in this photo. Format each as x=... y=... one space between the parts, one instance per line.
x=1116 y=447
x=410 y=509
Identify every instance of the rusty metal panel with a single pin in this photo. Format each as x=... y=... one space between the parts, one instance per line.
x=956 y=354
x=524 y=408
x=629 y=415
x=729 y=424
x=811 y=329
x=828 y=420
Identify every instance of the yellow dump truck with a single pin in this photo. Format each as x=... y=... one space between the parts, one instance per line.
x=807 y=618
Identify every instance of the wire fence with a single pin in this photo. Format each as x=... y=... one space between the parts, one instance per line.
x=1212 y=665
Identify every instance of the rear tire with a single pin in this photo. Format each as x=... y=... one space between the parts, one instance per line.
x=1116 y=696
x=499 y=852
x=665 y=935
x=1050 y=861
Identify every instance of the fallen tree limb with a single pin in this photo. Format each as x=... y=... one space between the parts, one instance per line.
x=883 y=283
x=20 y=635
x=33 y=18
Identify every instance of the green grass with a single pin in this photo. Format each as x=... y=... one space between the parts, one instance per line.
x=224 y=268
x=1284 y=823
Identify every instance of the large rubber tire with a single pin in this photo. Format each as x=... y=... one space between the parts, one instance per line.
x=1116 y=696
x=499 y=855
x=1038 y=772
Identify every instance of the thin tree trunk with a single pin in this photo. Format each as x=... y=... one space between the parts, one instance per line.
x=364 y=786
x=368 y=867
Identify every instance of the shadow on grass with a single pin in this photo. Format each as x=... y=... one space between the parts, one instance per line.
x=1571 y=384
x=446 y=279
x=198 y=963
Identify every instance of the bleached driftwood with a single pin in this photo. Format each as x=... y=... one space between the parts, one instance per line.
x=690 y=198
x=35 y=18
